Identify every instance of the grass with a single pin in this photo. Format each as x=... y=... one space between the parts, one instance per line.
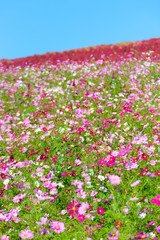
x=79 y=156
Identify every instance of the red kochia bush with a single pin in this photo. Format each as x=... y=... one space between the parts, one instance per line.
x=109 y=52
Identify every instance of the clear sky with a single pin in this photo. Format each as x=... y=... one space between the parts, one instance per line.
x=29 y=27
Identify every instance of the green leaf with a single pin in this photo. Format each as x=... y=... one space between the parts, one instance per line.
x=61 y=160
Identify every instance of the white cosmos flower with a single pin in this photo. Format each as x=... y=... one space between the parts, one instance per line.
x=18 y=208
x=61 y=130
x=91 y=172
x=60 y=184
x=6 y=181
x=152 y=235
x=142 y=215
x=89 y=185
x=38 y=130
x=101 y=178
x=37 y=183
x=139 y=204
x=39 y=174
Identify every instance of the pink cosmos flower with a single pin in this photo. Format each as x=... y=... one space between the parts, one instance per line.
x=4 y=237
x=152 y=162
x=89 y=216
x=100 y=211
x=78 y=161
x=158 y=229
x=2 y=217
x=15 y=219
x=114 y=153
x=82 y=194
x=43 y=221
x=114 y=235
x=125 y=210
x=83 y=208
x=14 y=211
x=78 y=183
x=58 y=227
x=135 y=183
x=133 y=199
x=115 y=180
x=15 y=199
x=26 y=234
x=93 y=193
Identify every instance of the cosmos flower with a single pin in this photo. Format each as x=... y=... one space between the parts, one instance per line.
x=83 y=208
x=57 y=227
x=100 y=211
x=135 y=183
x=26 y=234
x=114 y=179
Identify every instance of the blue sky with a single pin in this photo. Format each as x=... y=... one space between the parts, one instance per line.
x=29 y=27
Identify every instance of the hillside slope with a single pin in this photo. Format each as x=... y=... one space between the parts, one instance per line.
x=111 y=52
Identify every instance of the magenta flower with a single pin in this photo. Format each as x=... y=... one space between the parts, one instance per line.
x=58 y=227
x=26 y=234
x=123 y=153
x=100 y=211
x=158 y=229
x=81 y=217
x=142 y=235
x=149 y=224
x=72 y=209
x=102 y=162
x=156 y=200
x=157 y=173
x=63 y=174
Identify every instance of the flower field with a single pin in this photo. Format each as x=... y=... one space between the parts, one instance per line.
x=80 y=145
